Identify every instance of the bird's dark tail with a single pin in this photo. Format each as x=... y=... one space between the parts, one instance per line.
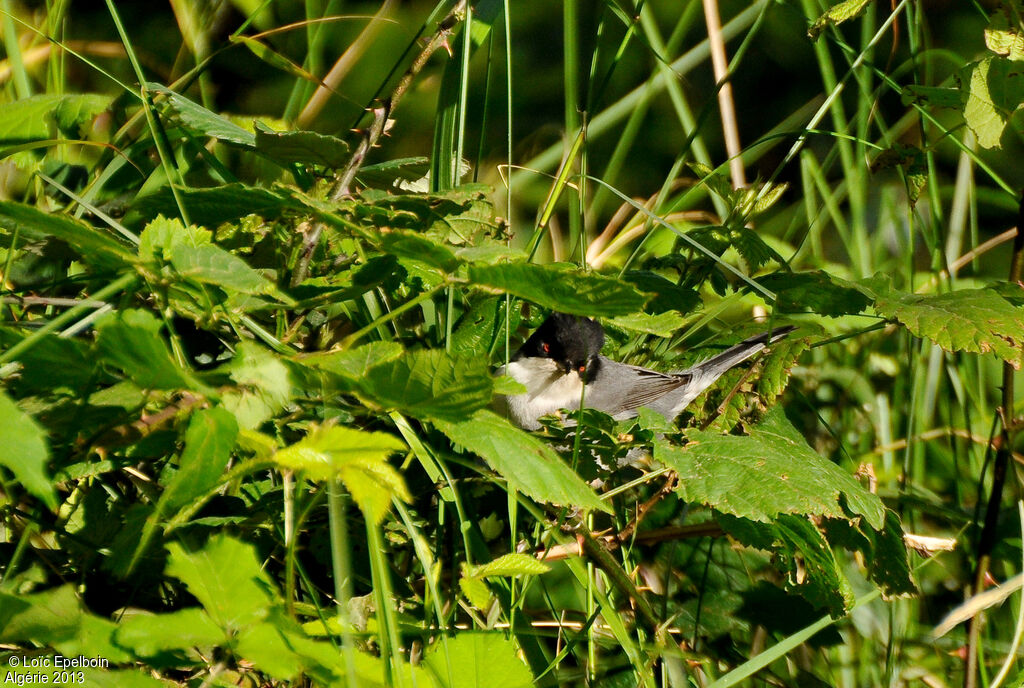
x=748 y=347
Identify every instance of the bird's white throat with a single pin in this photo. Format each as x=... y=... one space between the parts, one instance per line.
x=550 y=389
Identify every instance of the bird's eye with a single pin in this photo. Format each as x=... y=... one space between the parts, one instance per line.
x=582 y=369
x=546 y=347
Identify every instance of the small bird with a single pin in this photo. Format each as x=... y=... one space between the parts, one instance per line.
x=561 y=363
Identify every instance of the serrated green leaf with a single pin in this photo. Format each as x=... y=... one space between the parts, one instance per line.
x=883 y=551
x=356 y=457
x=27 y=119
x=476 y=591
x=226 y=577
x=305 y=147
x=130 y=340
x=162 y=235
x=934 y=96
x=801 y=554
x=667 y=295
x=264 y=385
x=769 y=472
x=89 y=242
x=46 y=617
x=1003 y=35
x=151 y=634
x=353 y=364
x=528 y=464
x=817 y=292
x=995 y=89
x=209 y=264
x=837 y=14
x=416 y=247
x=213 y=206
x=202 y=121
x=25 y=451
x=563 y=290
x=510 y=565
x=972 y=320
x=753 y=248
x=661 y=325
x=477 y=660
x=430 y=384
x=77 y=109
x=47 y=354
x=209 y=439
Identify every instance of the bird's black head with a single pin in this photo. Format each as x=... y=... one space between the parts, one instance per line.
x=569 y=340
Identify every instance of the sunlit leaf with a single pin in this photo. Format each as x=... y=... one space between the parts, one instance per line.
x=560 y=289
x=528 y=464
x=769 y=472
x=227 y=579
x=358 y=458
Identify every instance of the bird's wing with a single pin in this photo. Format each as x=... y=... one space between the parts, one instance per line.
x=626 y=388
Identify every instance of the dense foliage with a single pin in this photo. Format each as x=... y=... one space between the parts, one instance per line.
x=249 y=343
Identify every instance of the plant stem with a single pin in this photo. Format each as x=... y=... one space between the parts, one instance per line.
x=987 y=540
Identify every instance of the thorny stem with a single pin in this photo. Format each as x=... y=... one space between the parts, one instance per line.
x=987 y=540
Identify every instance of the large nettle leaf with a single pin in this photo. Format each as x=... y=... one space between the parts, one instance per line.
x=429 y=384
x=802 y=555
x=560 y=288
x=972 y=320
x=769 y=472
x=528 y=464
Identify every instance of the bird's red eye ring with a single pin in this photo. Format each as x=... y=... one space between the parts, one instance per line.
x=582 y=369
x=546 y=347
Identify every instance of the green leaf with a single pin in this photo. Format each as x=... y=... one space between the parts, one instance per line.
x=226 y=578
x=130 y=340
x=883 y=552
x=802 y=555
x=817 y=292
x=209 y=439
x=25 y=451
x=837 y=14
x=994 y=91
x=45 y=617
x=661 y=325
x=510 y=565
x=211 y=264
x=430 y=384
x=27 y=119
x=1003 y=35
x=560 y=289
x=77 y=109
x=417 y=247
x=358 y=458
x=162 y=235
x=89 y=242
x=353 y=364
x=476 y=591
x=94 y=637
x=972 y=320
x=769 y=472
x=753 y=248
x=477 y=660
x=264 y=385
x=667 y=295
x=528 y=464
x=306 y=147
x=151 y=634
x=202 y=121
x=49 y=353
x=211 y=207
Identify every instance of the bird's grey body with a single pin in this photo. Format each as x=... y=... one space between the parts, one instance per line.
x=557 y=375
